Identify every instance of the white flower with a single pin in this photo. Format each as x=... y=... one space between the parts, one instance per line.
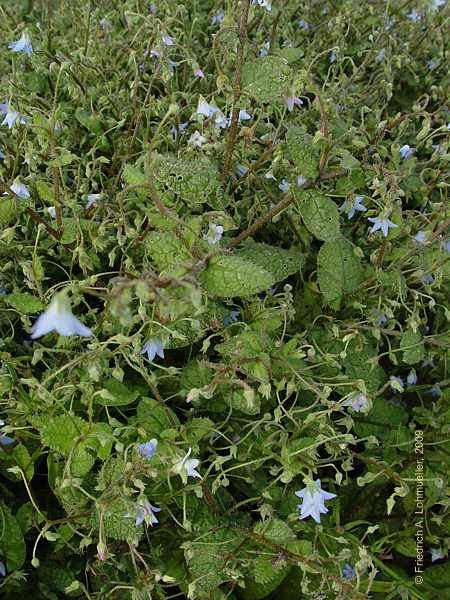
x=313 y=501
x=203 y=108
x=270 y=175
x=187 y=466
x=22 y=45
x=284 y=185
x=153 y=347
x=196 y=140
x=51 y=211
x=436 y=554
x=267 y=4
x=421 y=237
x=301 y=180
x=11 y=116
x=220 y=120
x=358 y=402
x=214 y=234
x=20 y=189
x=92 y=199
x=58 y=317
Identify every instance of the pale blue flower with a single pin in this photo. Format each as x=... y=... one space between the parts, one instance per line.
x=313 y=500
x=267 y=4
x=406 y=151
x=241 y=170
x=214 y=234
x=203 y=108
x=437 y=4
x=332 y=57
x=244 y=115
x=421 y=237
x=436 y=554
x=199 y=73
x=411 y=378
x=348 y=572
x=232 y=318
x=381 y=55
x=303 y=24
x=300 y=181
x=220 y=120
x=58 y=317
x=270 y=175
x=284 y=186
x=381 y=223
x=435 y=391
x=178 y=130
x=145 y=512
x=196 y=140
x=2 y=156
x=432 y=64
x=11 y=116
x=357 y=402
x=20 y=190
x=153 y=347
x=356 y=206
x=51 y=211
x=148 y=449
x=427 y=279
x=218 y=18
x=413 y=16
x=292 y=101
x=167 y=40
x=2 y=569
x=92 y=199
x=446 y=246
x=380 y=317
x=396 y=383
x=187 y=466
x=4 y=439
x=22 y=45
x=264 y=50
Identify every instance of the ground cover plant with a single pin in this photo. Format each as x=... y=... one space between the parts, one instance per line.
x=224 y=284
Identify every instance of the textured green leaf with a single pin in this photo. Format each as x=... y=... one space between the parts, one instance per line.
x=267 y=78
x=166 y=250
x=198 y=428
x=302 y=152
x=23 y=459
x=115 y=393
x=12 y=544
x=229 y=276
x=45 y=192
x=412 y=346
x=59 y=433
x=9 y=208
x=155 y=417
x=118 y=519
x=339 y=271
x=26 y=304
x=280 y=262
x=320 y=215
x=438 y=576
x=384 y=418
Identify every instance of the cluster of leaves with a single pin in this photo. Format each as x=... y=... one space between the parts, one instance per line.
x=127 y=126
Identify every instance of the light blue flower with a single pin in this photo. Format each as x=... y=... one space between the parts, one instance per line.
x=413 y=16
x=11 y=116
x=380 y=317
x=356 y=206
x=348 y=572
x=396 y=383
x=187 y=467
x=220 y=120
x=300 y=181
x=381 y=55
x=2 y=156
x=58 y=317
x=284 y=186
x=436 y=554
x=232 y=318
x=357 y=402
x=153 y=347
x=332 y=57
x=421 y=237
x=303 y=24
x=264 y=50
x=4 y=439
x=292 y=101
x=196 y=140
x=267 y=4
x=411 y=378
x=218 y=18
x=206 y=109
x=244 y=115
x=148 y=449
x=167 y=40
x=427 y=279
x=241 y=170
x=406 y=151
x=381 y=223
x=437 y=4
x=20 y=189
x=432 y=64
x=22 y=45
x=145 y=512
x=214 y=234
x=2 y=569
x=446 y=246
x=435 y=391
x=313 y=500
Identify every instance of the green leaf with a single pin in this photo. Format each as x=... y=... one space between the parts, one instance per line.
x=12 y=544
x=45 y=192
x=154 y=417
x=304 y=154
x=26 y=304
x=338 y=270
x=321 y=216
x=59 y=433
x=166 y=250
x=228 y=276
x=438 y=576
x=412 y=346
x=384 y=418
x=23 y=460
x=198 y=428
x=266 y=79
x=9 y=209
x=280 y=262
x=115 y=393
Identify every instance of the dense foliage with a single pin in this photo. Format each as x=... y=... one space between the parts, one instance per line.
x=225 y=264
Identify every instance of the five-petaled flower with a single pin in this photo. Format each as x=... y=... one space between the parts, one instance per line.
x=186 y=467
x=292 y=101
x=436 y=554
x=11 y=115
x=267 y=4
x=58 y=317
x=148 y=449
x=145 y=512
x=357 y=402
x=406 y=151
x=313 y=497
x=20 y=190
x=196 y=140
x=153 y=347
x=206 y=109
x=348 y=572
x=411 y=379
x=356 y=206
x=214 y=234
x=22 y=45
x=421 y=237
x=382 y=223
